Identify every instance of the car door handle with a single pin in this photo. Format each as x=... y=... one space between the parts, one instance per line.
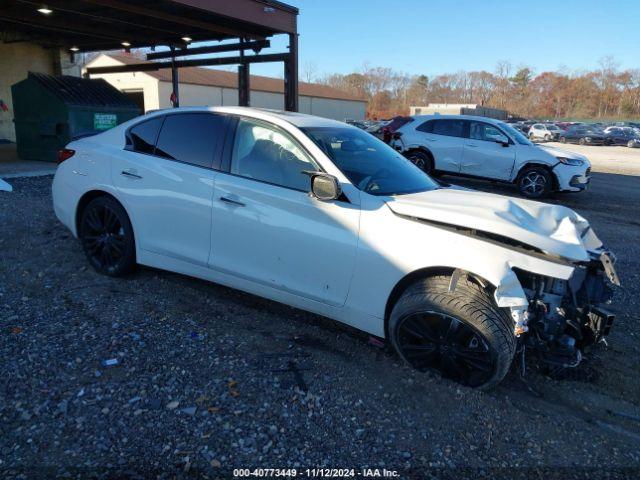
x=472 y=145
x=231 y=201
x=130 y=174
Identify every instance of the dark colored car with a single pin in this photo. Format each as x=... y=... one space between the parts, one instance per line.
x=622 y=136
x=584 y=135
x=386 y=133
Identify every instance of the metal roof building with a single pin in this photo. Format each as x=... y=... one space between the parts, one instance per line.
x=204 y=86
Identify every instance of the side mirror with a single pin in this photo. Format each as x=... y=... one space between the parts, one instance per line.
x=504 y=143
x=325 y=187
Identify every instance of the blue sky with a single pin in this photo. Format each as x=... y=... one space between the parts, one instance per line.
x=440 y=36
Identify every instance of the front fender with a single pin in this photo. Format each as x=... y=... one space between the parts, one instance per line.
x=418 y=246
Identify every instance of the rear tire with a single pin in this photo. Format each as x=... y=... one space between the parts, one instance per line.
x=462 y=334
x=107 y=237
x=630 y=144
x=422 y=160
x=563 y=139
x=535 y=182
x=582 y=141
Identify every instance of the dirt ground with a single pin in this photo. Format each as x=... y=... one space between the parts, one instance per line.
x=210 y=379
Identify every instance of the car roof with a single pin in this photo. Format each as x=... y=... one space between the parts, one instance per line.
x=295 y=118
x=458 y=117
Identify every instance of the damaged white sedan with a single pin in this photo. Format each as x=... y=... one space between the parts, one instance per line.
x=325 y=217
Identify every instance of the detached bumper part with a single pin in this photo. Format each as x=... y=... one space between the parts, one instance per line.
x=579 y=181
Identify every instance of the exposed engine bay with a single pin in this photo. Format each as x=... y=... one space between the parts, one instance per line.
x=566 y=317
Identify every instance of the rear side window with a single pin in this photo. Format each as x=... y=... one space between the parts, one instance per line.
x=142 y=137
x=450 y=128
x=426 y=127
x=191 y=138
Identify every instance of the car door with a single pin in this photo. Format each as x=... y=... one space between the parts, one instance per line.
x=268 y=229
x=446 y=142
x=165 y=176
x=488 y=152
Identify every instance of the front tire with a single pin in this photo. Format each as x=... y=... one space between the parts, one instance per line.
x=582 y=141
x=631 y=144
x=535 y=182
x=107 y=237
x=462 y=334
x=563 y=139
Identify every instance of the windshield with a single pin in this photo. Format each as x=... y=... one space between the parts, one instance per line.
x=515 y=134
x=553 y=127
x=368 y=163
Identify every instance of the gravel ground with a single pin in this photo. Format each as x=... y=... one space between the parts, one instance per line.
x=209 y=379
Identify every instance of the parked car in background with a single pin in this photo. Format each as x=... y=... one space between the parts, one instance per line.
x=321 y=216
x=491 y=149
x=583 y=135
x=384 y=129
x=544 y=131
x=622 y=136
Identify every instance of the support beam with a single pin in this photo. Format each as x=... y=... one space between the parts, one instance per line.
x=176 y=19
x=203 y=62
x=230 y=47
x=175 y=94
x=291 y=75
x=244 y=86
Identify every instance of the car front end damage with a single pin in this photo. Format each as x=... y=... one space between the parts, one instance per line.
x=550 y=270
x=564 y=318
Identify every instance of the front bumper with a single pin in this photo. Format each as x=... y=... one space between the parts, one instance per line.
x=572 y=178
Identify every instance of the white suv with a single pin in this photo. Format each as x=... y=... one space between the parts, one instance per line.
x=487 y=148
x=544 y=131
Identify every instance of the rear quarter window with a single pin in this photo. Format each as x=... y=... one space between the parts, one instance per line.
x=142 y=137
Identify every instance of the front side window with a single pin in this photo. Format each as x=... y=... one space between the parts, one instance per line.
x=142 y=137
x=263 y=152
x=486 y=132
x=450 y=128
x=191 y=138
x=370 y=165
x=515 y=134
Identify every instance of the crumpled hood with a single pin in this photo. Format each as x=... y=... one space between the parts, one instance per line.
x=552 y=228
x=558 y=152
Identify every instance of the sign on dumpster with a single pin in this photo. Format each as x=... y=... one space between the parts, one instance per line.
x=104 y=121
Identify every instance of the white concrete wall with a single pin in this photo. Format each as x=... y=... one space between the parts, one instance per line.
x=16 y=60
x=131 y=81
x=196 y=95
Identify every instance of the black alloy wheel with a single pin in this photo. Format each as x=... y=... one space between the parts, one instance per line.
x=107 y=237
x=421 y=160
x=435 y=340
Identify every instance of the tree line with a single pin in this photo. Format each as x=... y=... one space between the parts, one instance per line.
x=605 y=93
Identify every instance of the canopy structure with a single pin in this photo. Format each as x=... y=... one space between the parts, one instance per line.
x=94 y=25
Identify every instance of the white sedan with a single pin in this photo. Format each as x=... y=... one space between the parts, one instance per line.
x=325 y=217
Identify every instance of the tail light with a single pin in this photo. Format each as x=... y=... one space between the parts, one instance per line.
x=65 y=154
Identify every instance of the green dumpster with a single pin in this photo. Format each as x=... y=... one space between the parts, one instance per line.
x=51 y=111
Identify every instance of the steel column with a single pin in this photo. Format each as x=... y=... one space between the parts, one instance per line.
x=244 y=87
x=291 y=75
x=175 y=95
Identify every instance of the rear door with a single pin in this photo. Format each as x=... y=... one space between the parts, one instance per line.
x=488 y=152
x=446 y=142
x=268 y=229
x=165 y=177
